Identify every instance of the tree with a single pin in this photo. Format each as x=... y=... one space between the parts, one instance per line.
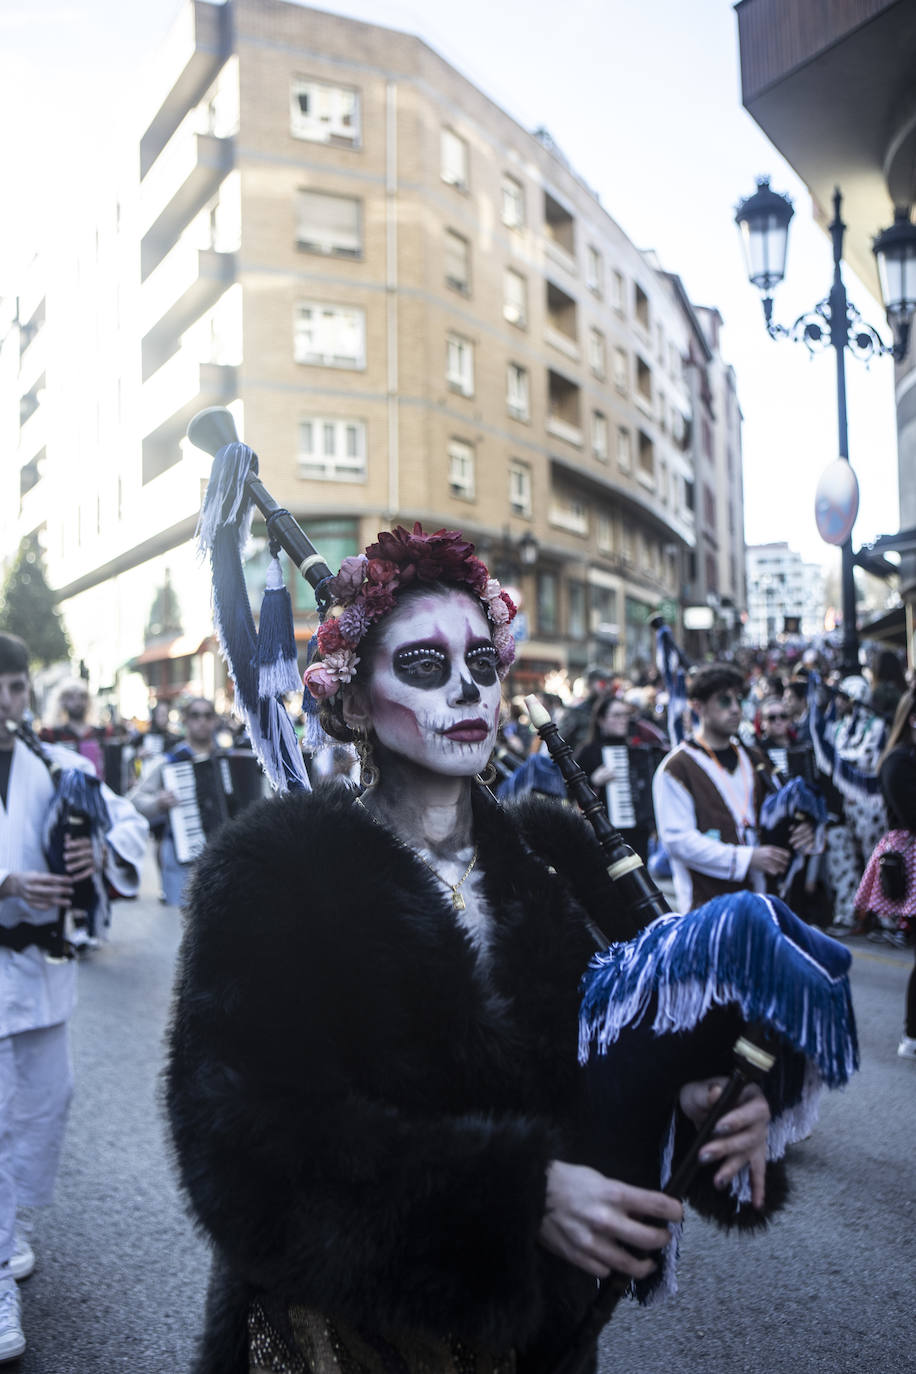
x=28 y=607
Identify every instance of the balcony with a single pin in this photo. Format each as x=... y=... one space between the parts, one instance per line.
x=187 y=282
x=183 y=178
x=175 y=393
x=33 y=435
x=562 y=429
x=196 y=49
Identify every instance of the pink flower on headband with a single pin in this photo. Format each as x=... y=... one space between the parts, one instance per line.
x=366 y=586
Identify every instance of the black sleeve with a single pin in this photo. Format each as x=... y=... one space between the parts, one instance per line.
x=898 y=783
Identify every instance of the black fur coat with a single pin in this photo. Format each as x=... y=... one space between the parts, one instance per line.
x=360 y=1126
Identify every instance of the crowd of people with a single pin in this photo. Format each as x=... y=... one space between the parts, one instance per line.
x=698 y=796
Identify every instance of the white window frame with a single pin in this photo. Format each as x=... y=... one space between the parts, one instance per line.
x=322 y=238
x=604 y=533
x=618 y=290
x=597 y=353
x=518 y=391
x=624 y=449
x=459 y=364
x=462 y=284
x=513 y=202
x=454 y=159
x=599 y=435
x=461 y=469
x=336 y=117
x=515 y=310
x=621 y=371
x=334 y=450
x=520 y=487
x=322 y=352
x=594 y=270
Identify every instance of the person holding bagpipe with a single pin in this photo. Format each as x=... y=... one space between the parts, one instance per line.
x=372 y=1082
x=48 y=871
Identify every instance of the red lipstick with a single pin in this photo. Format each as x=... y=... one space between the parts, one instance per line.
x=468 y=731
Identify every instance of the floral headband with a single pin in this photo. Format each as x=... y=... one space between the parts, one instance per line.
x=364 y=590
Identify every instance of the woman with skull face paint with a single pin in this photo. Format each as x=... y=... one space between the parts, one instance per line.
x=372 y=1083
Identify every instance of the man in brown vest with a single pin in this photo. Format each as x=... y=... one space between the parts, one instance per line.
x=707 y=795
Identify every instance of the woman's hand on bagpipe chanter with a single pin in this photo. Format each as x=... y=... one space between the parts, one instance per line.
x=597 y=1223
x=739 y=1139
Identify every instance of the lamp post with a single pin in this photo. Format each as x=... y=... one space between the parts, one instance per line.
x=763 y=219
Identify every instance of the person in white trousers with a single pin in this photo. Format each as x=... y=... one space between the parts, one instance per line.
x=37 y=991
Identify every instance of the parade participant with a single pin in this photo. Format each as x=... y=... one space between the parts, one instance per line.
x=619 y=760
x=897 y=772
x=372 y=1085
x=707 y=794
x=72 y=727
x=857 y=735
x=37 y=992
x=158 y=803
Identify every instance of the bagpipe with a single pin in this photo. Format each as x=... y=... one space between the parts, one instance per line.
x=739 y=984
x=77 y=811
x=855 y=784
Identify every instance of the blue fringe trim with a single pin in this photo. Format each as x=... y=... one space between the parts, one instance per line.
x=745 y=949
x=225 y=521
x=278 y=669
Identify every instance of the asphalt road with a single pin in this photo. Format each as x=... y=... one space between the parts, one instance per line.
x=828 y=1290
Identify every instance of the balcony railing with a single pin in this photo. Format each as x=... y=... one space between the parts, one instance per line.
x=188 y=171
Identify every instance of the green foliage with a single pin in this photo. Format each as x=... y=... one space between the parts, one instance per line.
x=28 y=607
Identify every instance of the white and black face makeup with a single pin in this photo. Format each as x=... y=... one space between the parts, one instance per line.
x=433 y=695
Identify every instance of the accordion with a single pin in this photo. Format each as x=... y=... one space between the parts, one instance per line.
x=210 y=792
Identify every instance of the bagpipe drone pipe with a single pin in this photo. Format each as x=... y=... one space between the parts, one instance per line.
x=740 y=988
x=673 y=1003
x=77 y=811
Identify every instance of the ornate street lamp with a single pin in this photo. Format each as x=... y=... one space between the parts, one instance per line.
x=763 y=219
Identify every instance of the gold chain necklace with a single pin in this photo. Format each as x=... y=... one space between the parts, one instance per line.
x=458 y=901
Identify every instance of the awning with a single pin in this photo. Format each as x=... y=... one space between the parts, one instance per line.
x=890 y=627
x=182 y=646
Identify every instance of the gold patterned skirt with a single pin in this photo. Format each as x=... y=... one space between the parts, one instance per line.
x=307 y=1342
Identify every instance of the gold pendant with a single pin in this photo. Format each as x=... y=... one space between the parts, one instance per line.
x=458 y=901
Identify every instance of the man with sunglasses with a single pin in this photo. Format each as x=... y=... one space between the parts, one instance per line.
x=707 y=795
x=155 y=801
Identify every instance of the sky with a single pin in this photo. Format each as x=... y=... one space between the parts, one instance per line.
x=643 y=99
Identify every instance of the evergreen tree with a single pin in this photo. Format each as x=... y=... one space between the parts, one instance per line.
x=28 y=607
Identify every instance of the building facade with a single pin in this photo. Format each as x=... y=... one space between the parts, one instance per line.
x=415 y=309
x=785 y=596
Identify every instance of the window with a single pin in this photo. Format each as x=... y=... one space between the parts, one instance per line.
x=329 y=335
x=513 y=202
x=623 y=449
x=329 y=224
x=594 y=270
x=459 y=364
x=517 y=392
x=515 y=298
x=457 y=262
x=569 y=513
x=618 y=292
x=561 y=312
x=599 y=435
x=461 y=469
x=689 y=495
x=596 y=359
x=547 y=603
x=603 y=611
x=642 y=308
x=575 y=625
x=454 y=159
x=332 y=450
x=519 y=487
x=604 y=533
x=323 y=113
x=646 y=456
x=621 y=368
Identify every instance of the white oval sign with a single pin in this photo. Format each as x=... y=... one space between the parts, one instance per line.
x=836 y=502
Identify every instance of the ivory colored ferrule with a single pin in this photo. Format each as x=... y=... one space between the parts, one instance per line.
x=622 y=866
x=754 y=1054
x=537 y=713
x=310 y=562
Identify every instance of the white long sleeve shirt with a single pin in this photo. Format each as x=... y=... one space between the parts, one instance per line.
x=35 y=991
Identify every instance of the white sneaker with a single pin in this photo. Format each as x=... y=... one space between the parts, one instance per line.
x=12 y=1341
x=907 y=1047
x=22 y=1260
